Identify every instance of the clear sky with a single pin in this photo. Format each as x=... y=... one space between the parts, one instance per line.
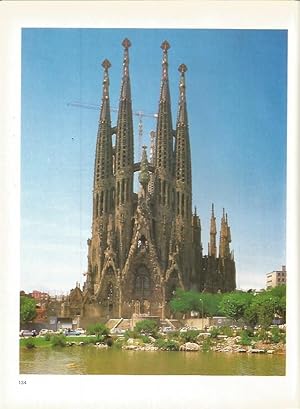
x=236 y=94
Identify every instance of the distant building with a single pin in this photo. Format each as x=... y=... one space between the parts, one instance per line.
x=276 y=278
x=39 y=295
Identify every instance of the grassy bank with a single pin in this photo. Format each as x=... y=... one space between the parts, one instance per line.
x=47 y=342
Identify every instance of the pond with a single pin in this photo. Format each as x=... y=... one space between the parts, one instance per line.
x=83 y=360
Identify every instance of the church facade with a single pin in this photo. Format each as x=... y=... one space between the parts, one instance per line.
x=145 y=245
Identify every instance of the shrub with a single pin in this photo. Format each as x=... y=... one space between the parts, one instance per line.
x=206 y=345
x=100 y=330
x=276 y=335
x=189 y=336
x=145 y=339
x=47 y=337
x=118 y=343
x=146 y=327
x=130 y=334
x=58 y=341
x=173 y=335
x=263 y=335
x=248 y=331
x=29 y=343
x=226 y=331
x=214 y=332
x=167 y=344
x=245 y=339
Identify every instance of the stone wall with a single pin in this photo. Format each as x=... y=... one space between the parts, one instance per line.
x=92 y=314
x=197 y=322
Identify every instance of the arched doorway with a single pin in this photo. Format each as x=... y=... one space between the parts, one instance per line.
x=142 y=288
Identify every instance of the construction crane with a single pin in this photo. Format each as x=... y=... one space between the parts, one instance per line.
x=139 y=114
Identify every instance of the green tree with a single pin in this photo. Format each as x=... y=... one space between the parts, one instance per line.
x=263 y=308
x=182 y=302
x=146 y=327
x=267 y=306
x=234 y=305
x=100 y=330
x=279 y=291
x=210 y=302
x=251 y=314
x=27 y=309
x=187 y=301
x=282 y=307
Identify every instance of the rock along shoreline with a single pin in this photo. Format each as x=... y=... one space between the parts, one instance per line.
x=225 y=345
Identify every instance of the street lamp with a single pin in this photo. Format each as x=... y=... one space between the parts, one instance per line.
x=200 y=299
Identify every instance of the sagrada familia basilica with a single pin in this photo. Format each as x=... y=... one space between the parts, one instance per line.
x=145 y=245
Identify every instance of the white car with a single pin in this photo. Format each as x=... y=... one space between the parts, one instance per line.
x=81 y=330
x=117 y=331
x=167 y=329
x=45 y=331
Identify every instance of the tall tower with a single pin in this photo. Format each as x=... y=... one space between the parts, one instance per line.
x=103 y=188
x=145 y=246
x=212 y=246
x=183 y=181
x=124 y=164
x=164 y=164
x=225 y=239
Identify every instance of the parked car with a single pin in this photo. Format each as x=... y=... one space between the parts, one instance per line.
x=72 y=332
x=45 y=331
x=81 y=330
x=165 y=330
x=117 y=331
x=25 y=333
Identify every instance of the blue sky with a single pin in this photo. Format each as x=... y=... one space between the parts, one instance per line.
x=236 y=94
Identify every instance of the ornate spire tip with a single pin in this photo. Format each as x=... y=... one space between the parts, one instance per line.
x=182 y=68
x=106 y=64
x=165 y=45
x=126 y=43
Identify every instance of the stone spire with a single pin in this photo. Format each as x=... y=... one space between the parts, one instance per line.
x=124 y=134
x=103 y=171
x=103 y=191
x=164 y=133
x=124 y=161
x=164 y=186
x=183 y=154
x=212 y=247
x=225 y=237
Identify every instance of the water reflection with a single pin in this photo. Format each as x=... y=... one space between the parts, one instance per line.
x=90 y=360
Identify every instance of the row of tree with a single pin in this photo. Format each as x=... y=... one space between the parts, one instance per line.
x=254 y=308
